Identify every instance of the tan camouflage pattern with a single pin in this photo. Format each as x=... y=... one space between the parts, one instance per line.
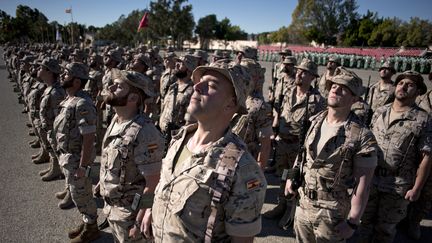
x=320 y=175
x=182 y=201
x=94 y=84
x=381 y=95
x=425 y=101
x=177 y=117
x=256 y=124
x=360 y=108
x=49 y=105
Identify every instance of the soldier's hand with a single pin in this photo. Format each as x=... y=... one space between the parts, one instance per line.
x=412 y=195
x=344 y=230
x=80 y=172
x=288 y=189
x=134 y=232
x=146 y=227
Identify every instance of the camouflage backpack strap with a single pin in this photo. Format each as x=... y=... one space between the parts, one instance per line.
x=225 y=170
x=353 y=136
x=130 y=135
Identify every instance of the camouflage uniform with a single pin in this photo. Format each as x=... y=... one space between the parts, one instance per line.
x=34 y=99
x=183 y=202
x=324 y=197
x=425 y=101
x=179 y=94
x=291 y=122
x=142 y=146
x=253 y=125
x=77 y=117
x=401 y=143
x=381 y=95
x=94 y=84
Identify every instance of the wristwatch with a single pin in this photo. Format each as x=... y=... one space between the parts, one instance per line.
x=351 y=225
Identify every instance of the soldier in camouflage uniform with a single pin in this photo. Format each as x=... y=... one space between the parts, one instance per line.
x=255 y=126
x=290 y=125
x=404 y=135
x=49 y=73
x=340 y=155
x=425 y=101
x=74 y=131
x=94 y=84
x=286 y=78
x=131 y=159
x=216 y=55
x=141 y=63
x=167 y=77
x=173 y=114
x=211 y=188
x=201 y=57
x=382 y=92
x=332 y=63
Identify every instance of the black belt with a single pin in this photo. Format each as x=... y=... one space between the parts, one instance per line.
x=323 y=195
x=119 y=202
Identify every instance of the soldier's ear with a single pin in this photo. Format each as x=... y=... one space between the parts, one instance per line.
x=133 y=97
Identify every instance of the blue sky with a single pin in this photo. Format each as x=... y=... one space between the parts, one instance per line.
x=253 y=16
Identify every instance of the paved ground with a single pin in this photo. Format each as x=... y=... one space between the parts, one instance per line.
x=28 y=207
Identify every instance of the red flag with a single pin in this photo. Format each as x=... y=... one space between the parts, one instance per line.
x=68 y=10
x=144 y=22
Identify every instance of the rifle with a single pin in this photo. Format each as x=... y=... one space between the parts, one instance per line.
x=277 y=107
x=296 y=173
x=369 y=112
x=171 y=126
x=367 y=90
x=273 y=86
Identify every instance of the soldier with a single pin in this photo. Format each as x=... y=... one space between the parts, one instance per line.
x=382 y=92
x=78 y=56
x=286 y=79
x=49 y=73
x=425 y=101
x=211 y=188
x=131 y=159
x=290 y=125
x=201 y=57
x=332 y=63
x=404 y=135
x=111 y=60
x=94 y=84
x=217 y=55
x=167 y=77
x=339 y=154
x=74 y=129
x=173 y=114
x=254 y=127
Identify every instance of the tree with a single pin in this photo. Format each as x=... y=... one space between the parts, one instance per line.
x=206 y=29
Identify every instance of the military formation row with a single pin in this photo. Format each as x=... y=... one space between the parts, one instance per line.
x=184 y=144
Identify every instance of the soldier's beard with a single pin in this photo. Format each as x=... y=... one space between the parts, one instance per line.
x=181 y=74
x=67 y=84
x=113 y=100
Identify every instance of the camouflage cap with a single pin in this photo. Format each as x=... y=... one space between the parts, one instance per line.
x=237 y=75
x=136 y=80
x=388 y=65
x=308 y=65
x=189 y=61
x=77 y=70
x=28 y=59
x=201 y=54
x=286 y=52
x=335 y=59
x=98 y=58
x=414 y=76
x=217 y=53
x=115 y=55
x=52 y=65
x=143 y=58
x=79 y=54
x=290 y=60
x=170 y=55
x=347 y=78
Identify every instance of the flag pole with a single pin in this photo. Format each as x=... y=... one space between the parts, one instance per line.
x=72 y=32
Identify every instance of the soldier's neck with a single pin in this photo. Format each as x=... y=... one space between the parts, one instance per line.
x=385 y=81
x=337 y=115
x=402 y=105
x=205 y=135
x=125 y=113
x=302 y=89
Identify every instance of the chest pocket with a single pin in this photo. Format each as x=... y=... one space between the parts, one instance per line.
x=112 y=167
x=63 y=125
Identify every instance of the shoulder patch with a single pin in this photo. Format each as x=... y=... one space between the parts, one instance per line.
x=252 y=184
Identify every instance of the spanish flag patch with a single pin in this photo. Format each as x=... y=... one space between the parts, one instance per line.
x=152 y=147
x=252 y=184
x=83 y=113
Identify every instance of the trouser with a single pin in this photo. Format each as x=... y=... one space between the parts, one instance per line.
x=419 y=209
x=383 y=212
x=121 y=220
x=286 y=153
x=82 y=194
x=315 y=224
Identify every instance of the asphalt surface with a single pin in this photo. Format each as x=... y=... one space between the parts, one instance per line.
x=28 y=207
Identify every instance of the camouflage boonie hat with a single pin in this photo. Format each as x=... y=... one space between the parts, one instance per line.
x=388 y=65
x=52 y=65
x=135 y=79
x=143 y=58
x=77 y=70
x=286 y=52
x=414 y=76
x=237 y=75
x=290 y=60
x=115 y=55
x=347 y=78
x=335 y=59
x=201 y=54
x=308 y=65
x=98 y=58
x=189 y=61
